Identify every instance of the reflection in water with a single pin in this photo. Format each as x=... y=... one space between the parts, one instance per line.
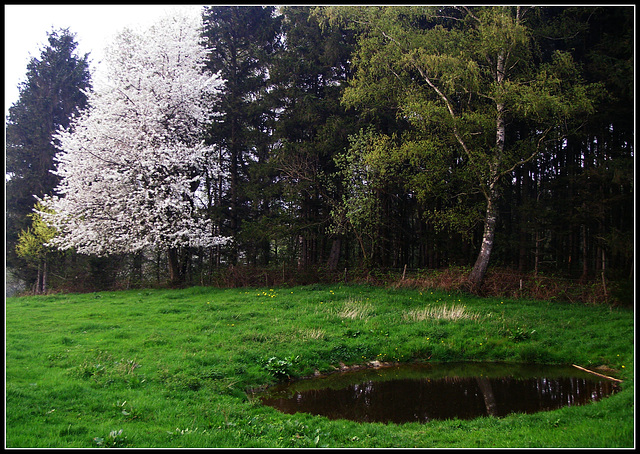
x=414 y=399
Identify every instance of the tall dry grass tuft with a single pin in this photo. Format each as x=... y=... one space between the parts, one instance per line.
x=450 y=313
x=355 y=309
x=312 y=334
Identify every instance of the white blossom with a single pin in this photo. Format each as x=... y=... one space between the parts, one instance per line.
x=131 y=164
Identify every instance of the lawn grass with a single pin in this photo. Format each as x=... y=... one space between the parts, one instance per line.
x=171 y=368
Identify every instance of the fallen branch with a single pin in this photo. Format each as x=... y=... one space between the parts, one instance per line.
x=595 y=373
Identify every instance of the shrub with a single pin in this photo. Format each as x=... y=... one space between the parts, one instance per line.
x=281 y=368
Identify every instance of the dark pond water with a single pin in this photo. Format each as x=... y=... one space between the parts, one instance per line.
x=420 y=393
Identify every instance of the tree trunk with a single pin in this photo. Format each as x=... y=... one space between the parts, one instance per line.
x=44 y=277
x=538 y=253
x=334 y=256
x=136 y=269
x=36 y=286
x=482 y=262
x=585 y=254
x=175 y=275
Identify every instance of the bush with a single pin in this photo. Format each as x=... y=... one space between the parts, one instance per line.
x=281 y=369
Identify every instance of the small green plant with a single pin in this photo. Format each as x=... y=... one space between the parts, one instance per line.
x=520 y=334
x=281 y=368
x=88 y=369
x=126 y=410
x=180 y=432
x=115 y=439
x=312 y=334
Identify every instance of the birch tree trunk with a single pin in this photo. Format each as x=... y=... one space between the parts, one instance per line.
x=44 y=277
x=479 y=270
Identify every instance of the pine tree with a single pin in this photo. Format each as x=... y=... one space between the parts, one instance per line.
x=241 y=40
x=53 y=92
x=309 y=76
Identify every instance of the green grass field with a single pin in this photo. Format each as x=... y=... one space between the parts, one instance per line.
x=171 y=368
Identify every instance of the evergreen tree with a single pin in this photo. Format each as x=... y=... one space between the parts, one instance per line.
x=605 y=179
x=572 y=207
x=312 y=127
x=55 y=89
x=241 y=40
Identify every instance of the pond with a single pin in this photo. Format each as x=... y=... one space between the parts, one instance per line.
x=425 y=392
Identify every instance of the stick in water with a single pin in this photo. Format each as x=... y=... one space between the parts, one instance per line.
x=595 y=373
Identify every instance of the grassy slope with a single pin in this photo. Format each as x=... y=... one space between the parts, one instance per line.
x=170 y=368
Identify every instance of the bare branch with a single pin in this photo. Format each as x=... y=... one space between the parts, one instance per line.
x=529 y=158
x=468 y=11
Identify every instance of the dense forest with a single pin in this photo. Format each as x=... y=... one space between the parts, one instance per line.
x=334 y=139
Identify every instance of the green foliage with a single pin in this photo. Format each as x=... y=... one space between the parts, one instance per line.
x=243 y=41
x=281 y=368
x=32 y=242
x=365 y=169
x=477 y=99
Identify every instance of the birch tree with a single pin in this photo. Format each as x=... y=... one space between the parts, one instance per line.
x=132 y=164
x=458 y=77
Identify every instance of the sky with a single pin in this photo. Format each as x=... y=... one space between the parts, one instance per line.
x=26 y=27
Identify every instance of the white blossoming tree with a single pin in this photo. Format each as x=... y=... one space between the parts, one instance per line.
x=132 y=163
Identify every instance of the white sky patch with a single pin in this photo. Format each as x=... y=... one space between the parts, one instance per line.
x=26 y=27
